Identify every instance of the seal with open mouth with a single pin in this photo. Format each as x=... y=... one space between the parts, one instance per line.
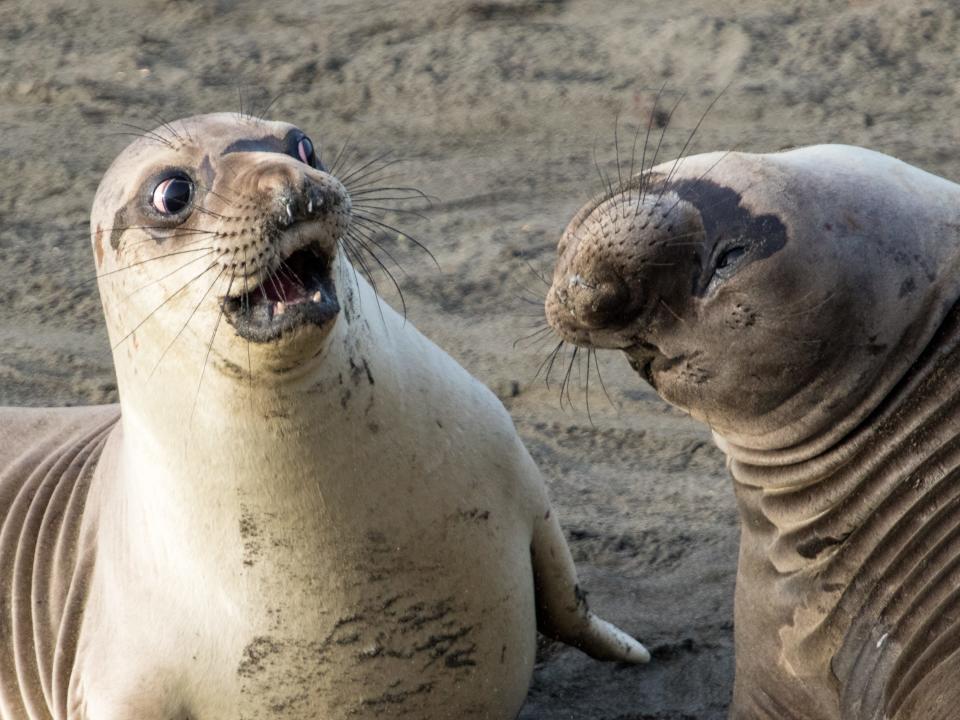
x=804 y=305
x=301 y=508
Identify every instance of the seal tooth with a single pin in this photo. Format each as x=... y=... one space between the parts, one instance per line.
x=309 y=206
x=316 y=296
x=279 y=308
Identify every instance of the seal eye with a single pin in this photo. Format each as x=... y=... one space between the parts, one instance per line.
x=172 y=195
x=730 y=256
x=306 y=152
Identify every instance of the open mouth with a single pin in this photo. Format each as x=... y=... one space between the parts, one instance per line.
x=299 y=292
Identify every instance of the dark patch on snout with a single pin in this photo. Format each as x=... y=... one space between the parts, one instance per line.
x=119 y=226
x=268 y=143
x=724 y=217
x=207 y=173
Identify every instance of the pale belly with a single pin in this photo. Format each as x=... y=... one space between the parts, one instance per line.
x=431 y=631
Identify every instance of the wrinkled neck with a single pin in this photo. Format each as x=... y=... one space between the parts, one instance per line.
x=903 y=428
x=848 y=546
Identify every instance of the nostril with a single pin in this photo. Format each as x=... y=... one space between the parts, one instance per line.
x=600 y=303
x=315 y=201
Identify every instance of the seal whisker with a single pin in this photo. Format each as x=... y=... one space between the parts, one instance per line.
x=172 y=272
x=342 y=242
x=240 y=113
x=355 y=256
x=145 y=134
x=356 y=163
x=144 y=262
x=553 y=359
x=371 y=237
x=168 y=299
x=278 y=289
x=211 y=213
x=213 y=336
x=377 y=210
x=211 y=191
x=604 y=179
x=177 y=232
x=148 y=134
x=262 y=115
x=543 y=364
x=246 y=308
x=535 y=300
x=357 y=239
x=670 y=310
x=196 y=238
x=339 y=156
x=650 y=120
x=538 y=274
x=371 y=178
x=168 y=127
x=603 y=386
x=289 y=274
x=353 y=173
x=689 y=140
x=656 y=153
x=565 y=383
x=362 y=219
x=586 y=392
x=616 y=148
x=186 y=322
x=415 y=192
x=539 y=333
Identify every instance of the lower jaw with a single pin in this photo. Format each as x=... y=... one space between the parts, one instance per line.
x=257 y=325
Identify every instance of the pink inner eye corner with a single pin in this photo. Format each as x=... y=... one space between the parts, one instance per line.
x=305 y=150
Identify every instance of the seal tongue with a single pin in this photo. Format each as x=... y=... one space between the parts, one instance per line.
x=289 y=284
x=283 y=287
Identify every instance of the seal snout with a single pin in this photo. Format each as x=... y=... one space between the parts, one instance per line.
x=598 y=302
x=303 y=212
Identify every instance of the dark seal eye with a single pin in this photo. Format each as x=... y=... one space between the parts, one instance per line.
x=730 y=256
x=172 y=195
x=306 y=152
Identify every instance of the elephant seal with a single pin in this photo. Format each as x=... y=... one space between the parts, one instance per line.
x=803 y=304
x=301 y=508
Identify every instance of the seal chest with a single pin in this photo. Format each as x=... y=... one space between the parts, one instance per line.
x=302 y=508
x=803 y=305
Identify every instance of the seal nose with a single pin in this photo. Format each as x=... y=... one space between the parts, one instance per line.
x=296 y=194
x=598 y=302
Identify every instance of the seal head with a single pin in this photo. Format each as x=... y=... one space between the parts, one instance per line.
x=244 y=220
x=751 y=294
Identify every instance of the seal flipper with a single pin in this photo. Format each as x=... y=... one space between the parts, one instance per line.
x=562 y=612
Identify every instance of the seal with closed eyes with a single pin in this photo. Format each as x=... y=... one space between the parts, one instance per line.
x=804 y=305
x=301 y=507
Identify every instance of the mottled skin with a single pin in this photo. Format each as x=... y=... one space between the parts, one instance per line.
x=336 y=522
x=803 y=305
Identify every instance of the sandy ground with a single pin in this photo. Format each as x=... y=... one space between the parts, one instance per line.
x=496 y=108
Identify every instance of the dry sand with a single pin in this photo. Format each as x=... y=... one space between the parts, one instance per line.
x=496 y=108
